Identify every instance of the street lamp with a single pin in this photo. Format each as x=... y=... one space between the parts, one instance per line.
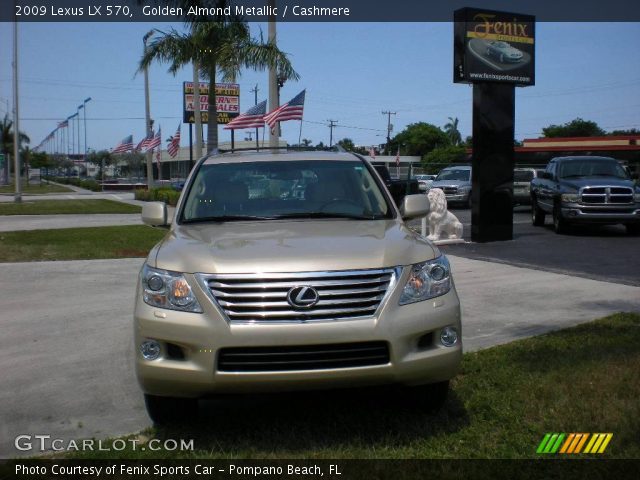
x=147 y=112
x=80 y=107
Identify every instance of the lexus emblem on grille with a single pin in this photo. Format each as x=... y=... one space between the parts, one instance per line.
x=303 y=297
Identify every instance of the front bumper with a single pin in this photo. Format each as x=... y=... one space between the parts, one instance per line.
x=412 y=361
x=457 y=197
x=605 y=214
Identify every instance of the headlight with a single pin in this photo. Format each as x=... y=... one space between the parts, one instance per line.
x=427 y=280
x=636 y=197
x=569 y=197
x=164 y=289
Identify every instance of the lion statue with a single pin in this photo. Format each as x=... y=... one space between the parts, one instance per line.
x=442 y=223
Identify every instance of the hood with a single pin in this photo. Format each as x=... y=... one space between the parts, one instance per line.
x=291 y=246
x=449 y=183
x=580 y=182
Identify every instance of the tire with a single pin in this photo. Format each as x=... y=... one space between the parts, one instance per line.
x=537 y=214
x=559 y=223
x=633 y=228
x=429 y=398
x=167 y=410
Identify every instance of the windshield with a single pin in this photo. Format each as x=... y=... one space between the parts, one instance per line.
x=461 y=174
x=267 y=190
x=522 y=176
x=591 y=168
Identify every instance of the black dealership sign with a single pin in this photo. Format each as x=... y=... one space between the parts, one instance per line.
x=492 y=46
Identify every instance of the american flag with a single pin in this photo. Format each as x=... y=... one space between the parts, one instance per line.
x=125 y=145
x=174 y=144
x=252 y=118
x=372 y=153
x=144 y=143
x=155 y=142
x=292 y=110
x=64 y=123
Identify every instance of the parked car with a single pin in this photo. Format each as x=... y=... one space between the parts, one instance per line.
x=522 y=185
x=504 y=52
x=425 y=181
x=252 y=290
x=585 y=190
x=455 y=181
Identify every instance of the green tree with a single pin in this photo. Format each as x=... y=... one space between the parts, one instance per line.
x=630 y=131
x=419 y=139
x=451 y=129
x=439 y=157
x=574 y=128
x=102 y=158
x=220 y=46
x=6 y=134
x=133 y=161
x=306 y=142
x=347 y=144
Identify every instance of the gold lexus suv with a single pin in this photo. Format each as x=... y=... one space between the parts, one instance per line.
x=291 y=271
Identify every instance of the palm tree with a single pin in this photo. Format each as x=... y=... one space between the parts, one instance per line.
x=6 y=132
x=223 y=46
x=451 y=129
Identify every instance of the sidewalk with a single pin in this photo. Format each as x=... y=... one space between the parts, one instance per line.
x=78 y=313
x=12 y=223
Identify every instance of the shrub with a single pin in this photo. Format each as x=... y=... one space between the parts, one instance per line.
x=166 y=195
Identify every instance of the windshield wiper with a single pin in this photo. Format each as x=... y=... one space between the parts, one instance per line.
x=327 y=215
x=225 y=218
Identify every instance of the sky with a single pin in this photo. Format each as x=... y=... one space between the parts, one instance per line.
x=351 y=71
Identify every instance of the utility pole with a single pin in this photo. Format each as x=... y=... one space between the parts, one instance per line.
x=16 y=117
x=274 y=101
x=147 y=114
x=389 y=129
x=255 y=92
x=332 y=123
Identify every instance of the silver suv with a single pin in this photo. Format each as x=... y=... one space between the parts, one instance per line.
x=288 y=271
x=455 y=182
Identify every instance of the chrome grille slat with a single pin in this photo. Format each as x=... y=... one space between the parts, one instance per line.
x=294 y=283
x=320 y=303
x=341 y=295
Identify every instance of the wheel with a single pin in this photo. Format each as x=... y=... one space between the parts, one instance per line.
x=537 y=214
x=559 y=223
x=430 y=398
x=633 y=228
x=164 y=410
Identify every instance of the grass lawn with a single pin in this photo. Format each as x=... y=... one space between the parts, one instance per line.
x=36 y=188
x=78 y=243
x=583 y=379
x=52 y=207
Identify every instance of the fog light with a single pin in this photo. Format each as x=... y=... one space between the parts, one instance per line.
x=150 y=349
x=449 y=336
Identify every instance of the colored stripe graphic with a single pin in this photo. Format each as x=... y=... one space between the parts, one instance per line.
x=574 y=443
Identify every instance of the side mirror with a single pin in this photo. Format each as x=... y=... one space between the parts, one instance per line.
x=415 y=206
x=155 y=214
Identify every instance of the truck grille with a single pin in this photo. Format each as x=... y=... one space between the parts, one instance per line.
x=311 y=357
x=270 y=297
x=450 y=190
x=607 y=195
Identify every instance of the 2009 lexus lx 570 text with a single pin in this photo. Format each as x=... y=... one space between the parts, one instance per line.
x=291 y=271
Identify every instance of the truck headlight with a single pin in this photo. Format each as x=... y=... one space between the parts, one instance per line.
x=427 y=280
x=164 y=289
x=569 y=197
x=636 y=197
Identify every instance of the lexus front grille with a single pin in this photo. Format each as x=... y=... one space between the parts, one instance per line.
x=300 y=297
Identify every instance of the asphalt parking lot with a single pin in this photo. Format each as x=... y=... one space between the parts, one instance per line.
x=603 y=253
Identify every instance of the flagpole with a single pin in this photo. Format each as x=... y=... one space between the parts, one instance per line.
x=300 y=133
